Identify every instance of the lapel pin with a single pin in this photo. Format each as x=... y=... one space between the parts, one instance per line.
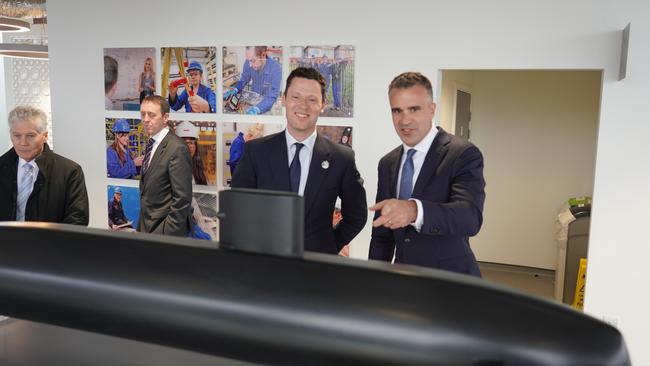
x=325 y=164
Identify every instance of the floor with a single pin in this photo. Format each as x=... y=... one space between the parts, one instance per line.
x=533 y=281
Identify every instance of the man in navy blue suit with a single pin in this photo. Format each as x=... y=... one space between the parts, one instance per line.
x=431 y=189
x=299 y=160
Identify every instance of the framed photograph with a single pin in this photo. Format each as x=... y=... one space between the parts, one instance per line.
x=204 y=216
x=189 y=78
x=235 y=136
x=123 y=208
x=252 y=80
x=201 y=139
x=125 y=144
x=336 y=64
x=342 y=135
x=129 y=76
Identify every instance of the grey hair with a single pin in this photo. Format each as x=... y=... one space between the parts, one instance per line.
x=24 y=113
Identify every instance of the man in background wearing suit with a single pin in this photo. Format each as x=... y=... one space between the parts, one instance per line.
x=166 y=183
x=431 y=189
x=299 y=160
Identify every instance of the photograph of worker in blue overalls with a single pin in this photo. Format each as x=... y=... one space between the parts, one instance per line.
x=234 y=138
x=123 y=207
x=120 y=161
x=336 y=64
x=117 y=219
x=237 y=144
x=199 y=99
x=260 y=81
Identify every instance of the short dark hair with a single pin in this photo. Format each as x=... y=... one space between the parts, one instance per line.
x=410 y=79
x=307 y=73
x=260 y=50
x=110 y=73
x=160 y=101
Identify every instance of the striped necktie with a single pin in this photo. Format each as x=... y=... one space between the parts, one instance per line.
x=147 y=155
x=25 y=187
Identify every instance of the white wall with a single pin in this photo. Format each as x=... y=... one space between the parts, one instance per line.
x=537 y=131
x=391 y=38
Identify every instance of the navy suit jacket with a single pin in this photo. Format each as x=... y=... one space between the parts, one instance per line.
x=451 y=188
x=264 y=165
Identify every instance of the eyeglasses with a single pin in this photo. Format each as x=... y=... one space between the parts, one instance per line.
x=193 y=73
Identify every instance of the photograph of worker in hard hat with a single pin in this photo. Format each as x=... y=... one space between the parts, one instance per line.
x=189 y=79
x=341 y=135
x=123 y=208
x=204 y=216
x=235 y=136
x=129 y=73
x=201 y=140
x=252 y=80
x=124 y=148
x=336 y=64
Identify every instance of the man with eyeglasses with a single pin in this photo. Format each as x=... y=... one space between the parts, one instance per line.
x=298 y=160
x=263 y=74
x=201 y=98
x=35 y=183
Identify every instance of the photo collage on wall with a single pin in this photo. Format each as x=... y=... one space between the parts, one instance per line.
x=213 y=112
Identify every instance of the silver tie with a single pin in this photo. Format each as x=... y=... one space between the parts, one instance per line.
x=24 y=189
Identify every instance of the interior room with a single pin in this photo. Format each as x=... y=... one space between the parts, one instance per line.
x=552 y=94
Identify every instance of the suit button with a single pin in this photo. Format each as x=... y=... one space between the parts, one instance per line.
x=407 y=240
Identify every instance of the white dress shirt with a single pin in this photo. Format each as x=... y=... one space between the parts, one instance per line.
x=305 y=156
x=157 y=139
x=421 y=150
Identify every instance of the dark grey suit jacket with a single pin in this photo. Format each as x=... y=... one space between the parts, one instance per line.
x=332 y=174
x=166 y=189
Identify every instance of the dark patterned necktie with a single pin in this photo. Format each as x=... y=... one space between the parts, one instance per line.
x=294 y=169
x=147 y=155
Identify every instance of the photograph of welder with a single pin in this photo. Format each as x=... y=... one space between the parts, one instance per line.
x=201 y=139
x=123 y=208
x=252 y=80
x=204 y=216
x=125 y=144
x=235 y=135
x=129 y=75
x=336 y=64
x=190 y=87
x=341 y=135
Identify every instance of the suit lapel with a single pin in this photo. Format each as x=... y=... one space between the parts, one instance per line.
x=317 y=173
x=393 y=171
x=279 y=162
x=431 y=161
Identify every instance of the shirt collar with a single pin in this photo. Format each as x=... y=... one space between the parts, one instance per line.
x=22 y=162
x=161 y=134
x=308 y=142
x=424 y=145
